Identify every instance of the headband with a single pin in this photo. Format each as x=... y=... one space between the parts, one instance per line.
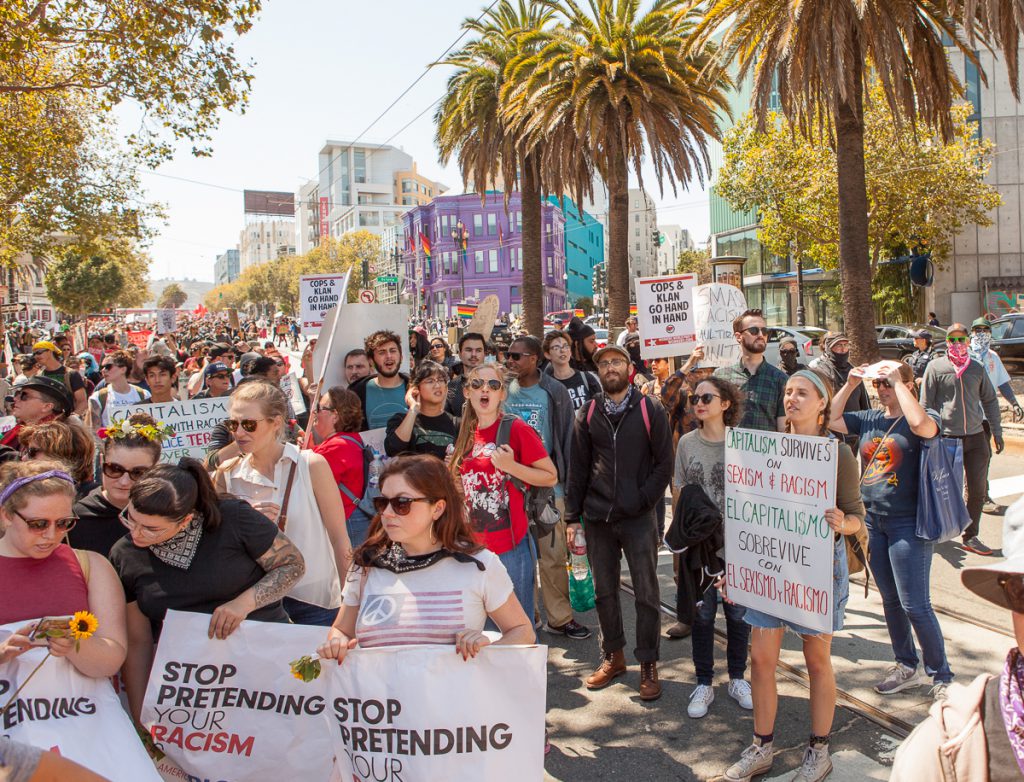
x=807 y=374
x=15 y=485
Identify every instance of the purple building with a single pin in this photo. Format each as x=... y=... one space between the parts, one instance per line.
x=476 y=251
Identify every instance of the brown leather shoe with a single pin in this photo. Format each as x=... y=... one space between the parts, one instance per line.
x=679 y=630
x=613 y=665
x=650 y=687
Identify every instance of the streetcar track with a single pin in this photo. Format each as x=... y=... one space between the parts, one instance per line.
x=901 y=728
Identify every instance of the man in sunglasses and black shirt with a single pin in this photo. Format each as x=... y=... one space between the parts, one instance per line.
x=762 y=384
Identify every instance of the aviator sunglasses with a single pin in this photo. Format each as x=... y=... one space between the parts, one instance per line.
x=478 y=382
x=248 y=424
x=401 y=505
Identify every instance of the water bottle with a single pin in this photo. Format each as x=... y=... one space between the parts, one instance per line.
x=578 y=556
x=374 y=471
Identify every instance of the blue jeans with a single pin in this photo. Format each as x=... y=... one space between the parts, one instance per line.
x=703 y=639
x=308 y=614
x=901 y=564
x=358 y=527
x=520 y=563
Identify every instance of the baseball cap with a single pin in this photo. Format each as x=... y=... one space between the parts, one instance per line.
x=621 y=351
x=219 y=349
x=215 y=367
x=984 y=323
x=922 y=334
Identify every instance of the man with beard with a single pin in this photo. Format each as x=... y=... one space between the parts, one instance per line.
x=834 y=363
x=621 y=463
x=958 y=388
x=382 y=395
x=762 y=384
x=584 y=344
x=472 y=350
x=788 y=352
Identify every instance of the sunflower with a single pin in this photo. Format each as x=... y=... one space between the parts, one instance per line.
x=83 y=625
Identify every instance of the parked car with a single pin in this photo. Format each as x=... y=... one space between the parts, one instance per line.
x=897 y=342
x=602 y=337
x=808 y=342
x=1008 y=342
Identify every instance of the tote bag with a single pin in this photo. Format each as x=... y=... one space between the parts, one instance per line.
x=941 y=512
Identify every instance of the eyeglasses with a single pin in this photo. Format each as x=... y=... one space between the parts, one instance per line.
x=704 y=399
x=756 y=331
x=219 y=376
x=41 y=525
x=982 y=330
x=559 y=346
x=322 y=409
x=478 y=382
x=957 y=340
x=787 y=352
x=1013 y=588
x=437 y=346
x=39 y=352
x=401 y=505
x=108 y=366
x=434 y=380
x=881 y=384
x=515 y=355
x=612 y=362
x=248 y=424
x=114 y=471
x=144 y=532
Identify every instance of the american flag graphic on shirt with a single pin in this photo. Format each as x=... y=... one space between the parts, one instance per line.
x=410 y=618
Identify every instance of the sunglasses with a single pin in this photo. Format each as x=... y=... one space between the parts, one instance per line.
x=477 y=383
x=957 y=340
x=41 y=525
x=756 y=331
x=108 y=366
x=787 y=352
x=515 y=355
x=881 y=384
x=401 y=505
x=1013 y=588
x=704 y=399
x=24 y=395
x=248 y=424
x=437 y=346
x=114 y=471
x=39 y=352
x=218 y=376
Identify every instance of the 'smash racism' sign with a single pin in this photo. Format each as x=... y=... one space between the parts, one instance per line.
x=714 y=307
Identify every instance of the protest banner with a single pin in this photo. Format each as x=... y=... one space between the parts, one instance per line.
x=714 y=307
x=233 y=319
x=77 y=716
x=351 y=326
x=318 y=293
x=79 y=338
x=665 y=314
x=292 y=391
x=421 y=712
x=231 y=709
x=193 y=422
x=166 y=321
x=778 y=546
x=139 y=338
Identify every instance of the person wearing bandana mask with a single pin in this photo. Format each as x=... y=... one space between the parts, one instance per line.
x=959 y=389
x=834 y=362
x=788 y=354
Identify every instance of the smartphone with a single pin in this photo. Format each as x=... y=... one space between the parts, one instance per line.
x=47 y=623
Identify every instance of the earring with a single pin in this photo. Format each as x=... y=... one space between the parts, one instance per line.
x=433 y=537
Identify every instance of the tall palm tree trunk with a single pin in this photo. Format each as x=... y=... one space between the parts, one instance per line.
x=533 y=280
x=618 y=243
x=854 y=260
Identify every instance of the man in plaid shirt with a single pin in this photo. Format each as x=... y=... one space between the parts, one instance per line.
x=762 y=384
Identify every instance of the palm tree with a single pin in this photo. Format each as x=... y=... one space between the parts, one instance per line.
x=605 y=86
x=471 y=128
x=818 y=56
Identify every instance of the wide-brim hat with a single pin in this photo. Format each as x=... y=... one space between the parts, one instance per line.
x=984 y=581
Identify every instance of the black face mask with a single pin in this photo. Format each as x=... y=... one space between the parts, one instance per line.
x=789 y=360
x=841 y=360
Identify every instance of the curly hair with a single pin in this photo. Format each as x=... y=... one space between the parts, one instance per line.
x=379 y=339
x=730 y=393
x=64 y=441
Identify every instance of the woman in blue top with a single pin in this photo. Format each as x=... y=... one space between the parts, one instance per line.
x=890 y=447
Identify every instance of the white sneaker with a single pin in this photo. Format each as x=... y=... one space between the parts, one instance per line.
x=816 y=766
x=739 y=691
x=700 y=699
x=754 y=760
x=899 y=677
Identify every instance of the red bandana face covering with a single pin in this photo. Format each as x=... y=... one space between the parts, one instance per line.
x=957 y=354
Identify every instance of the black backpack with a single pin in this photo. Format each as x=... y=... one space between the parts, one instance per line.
x=539 y=501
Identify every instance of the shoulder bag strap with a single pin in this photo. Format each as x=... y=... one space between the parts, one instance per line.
x=282 y=516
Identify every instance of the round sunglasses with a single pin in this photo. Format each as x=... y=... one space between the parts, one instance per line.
x=401 y=505
x=41 y=525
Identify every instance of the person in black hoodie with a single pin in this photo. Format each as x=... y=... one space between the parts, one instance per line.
x=620 y=465
x=584 y=345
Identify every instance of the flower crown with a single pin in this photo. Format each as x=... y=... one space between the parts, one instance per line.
x=156 y=433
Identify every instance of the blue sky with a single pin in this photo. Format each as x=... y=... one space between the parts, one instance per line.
x=324 y=70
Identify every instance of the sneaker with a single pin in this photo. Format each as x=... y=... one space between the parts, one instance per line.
x=993 y=508
x=939 y=691
x=899 y=677
x=572 y=628
x=816 y=766
x=700 y=699
x=756 y=759
x=975 y=546
x=739 y=691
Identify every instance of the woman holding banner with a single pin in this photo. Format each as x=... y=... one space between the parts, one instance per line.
x=419 y=547
x=296 y=490
x=41 y=577
x=190 y=550
x=807 y=401
x=890 y=447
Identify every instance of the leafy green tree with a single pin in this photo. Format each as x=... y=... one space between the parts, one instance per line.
x=79 y=284
x=696 y=262
x=585 y=303
x=172 y=296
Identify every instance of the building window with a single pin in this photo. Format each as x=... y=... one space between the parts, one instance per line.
x=513 y=292
x=637 y=230
x=972 y=79
x=638 y=246
x=492 y=224
x=360 y=165
x=551 y=266
x=479 y=258
x=492 y=260
x=636 y=218
x=444 y=223
x=478 y=225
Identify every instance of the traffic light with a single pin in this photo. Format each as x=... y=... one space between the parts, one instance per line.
x=656 y=237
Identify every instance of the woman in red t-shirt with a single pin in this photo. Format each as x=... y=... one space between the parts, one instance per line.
x=336 y=422
x=497 y=512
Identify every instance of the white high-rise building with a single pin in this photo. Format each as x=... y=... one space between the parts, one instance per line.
x=675 y=240
x=643 y=250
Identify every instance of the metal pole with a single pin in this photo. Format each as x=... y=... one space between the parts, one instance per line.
x=800 y=292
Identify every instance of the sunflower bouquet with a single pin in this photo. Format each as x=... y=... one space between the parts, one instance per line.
x=306 y=668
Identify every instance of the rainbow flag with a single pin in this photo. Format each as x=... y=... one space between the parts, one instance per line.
x=632 y=309
x=465 y=310
x=425 y=244
x=578 y=312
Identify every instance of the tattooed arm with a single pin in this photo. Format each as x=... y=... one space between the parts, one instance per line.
x=283 y=565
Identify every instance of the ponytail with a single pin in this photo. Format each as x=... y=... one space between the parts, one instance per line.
x=174 y=491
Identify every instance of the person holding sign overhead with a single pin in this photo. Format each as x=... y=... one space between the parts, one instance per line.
x=808 y=404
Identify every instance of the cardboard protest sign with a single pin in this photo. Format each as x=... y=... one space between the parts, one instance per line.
x=79 y=337
x=664 y=308
x=193 y=421
x=418 y=712
x=318 y=293
x=166 y=321
x=714 y=307
x=778 y=546
x=139 y=338
x=78 y=716
x=233 y=319
x=352 y=324
x=231 y=709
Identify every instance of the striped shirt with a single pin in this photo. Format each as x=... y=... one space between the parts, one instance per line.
x=426 y=606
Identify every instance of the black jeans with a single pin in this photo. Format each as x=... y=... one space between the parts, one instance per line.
x=977 y=455
x=638 y=540
x=703 y=639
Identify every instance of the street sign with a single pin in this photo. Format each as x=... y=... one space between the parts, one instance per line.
x=391 y=278
x=367 y=296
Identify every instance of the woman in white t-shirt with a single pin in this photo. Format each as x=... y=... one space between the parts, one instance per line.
x=420 y=577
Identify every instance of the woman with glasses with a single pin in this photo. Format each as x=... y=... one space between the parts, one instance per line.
x=425 y=427
x=127 y=453
x=296 y=490
x=190 y=550
x=336 y=424
x=497 y=513
x=41 y=577
x=441 y=353
x=421 y=548
x=901 y=562
x=63 y=442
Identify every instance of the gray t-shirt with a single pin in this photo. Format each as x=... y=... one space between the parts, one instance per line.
x=701 y=462
x=17 y=761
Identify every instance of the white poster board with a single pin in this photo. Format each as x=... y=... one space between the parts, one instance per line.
x=166 y=321
x=664 y=308
x=778 y=546
x=231 y=709
x=293 y=393
x=193 y=422
x=352 y=324
x=715 y=305
x=318 y=293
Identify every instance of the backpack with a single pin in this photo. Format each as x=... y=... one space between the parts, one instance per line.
x=643 y=411
x=538 y=501
x=364 y=510
x=104 y=392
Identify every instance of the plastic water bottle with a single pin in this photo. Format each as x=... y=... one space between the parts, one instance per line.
x=578 y=556
x=373 y=478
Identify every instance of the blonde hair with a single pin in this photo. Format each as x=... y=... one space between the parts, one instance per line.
x=46 y=487
x=469 y=419
x=270 y=398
